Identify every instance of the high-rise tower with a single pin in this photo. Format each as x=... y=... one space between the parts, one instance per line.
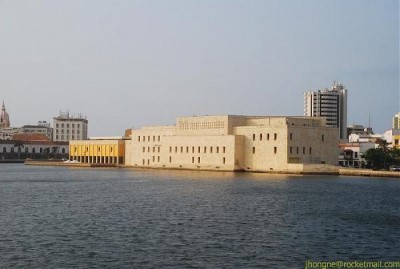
x=4 y=118
x=331 y=104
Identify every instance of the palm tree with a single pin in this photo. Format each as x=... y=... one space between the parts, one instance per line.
x=54 y=151
x=18 y=144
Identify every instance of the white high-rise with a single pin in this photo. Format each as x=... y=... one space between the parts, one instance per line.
x=330 y=103
x=67 y=128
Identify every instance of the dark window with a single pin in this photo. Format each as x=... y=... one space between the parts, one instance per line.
x=310 y=150
x=275 y=150
x=267 y=136
x=254 y=150
x=275 y=136
x=291 y=136
x=254 y=137
x=323 y=138
x=260 y=137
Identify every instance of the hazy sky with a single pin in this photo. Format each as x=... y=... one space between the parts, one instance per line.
x=127 y=63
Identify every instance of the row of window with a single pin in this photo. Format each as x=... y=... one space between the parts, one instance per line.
x=154 y=149
x=298 y=150
x=143 y=138
x=67 y=124
x=26 y=150
x=202 y=125
x=194 y=160
x=86 y=150
x=199 y=149
x=68 y=131
x=261 y=136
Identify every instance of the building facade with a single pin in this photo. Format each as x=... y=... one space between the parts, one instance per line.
x=236 y=143
x=396 y=121
x=37 y=129
x=68 y=128
x=102 y=150
x=331 y=104
x=19 y=149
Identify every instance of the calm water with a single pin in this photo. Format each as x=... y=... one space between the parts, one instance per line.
x=120 y=218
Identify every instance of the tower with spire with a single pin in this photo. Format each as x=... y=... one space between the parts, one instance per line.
x=4 y=118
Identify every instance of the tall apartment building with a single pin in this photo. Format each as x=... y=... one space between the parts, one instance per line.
x=396 y=121
x=331 y=104
x=67 y=128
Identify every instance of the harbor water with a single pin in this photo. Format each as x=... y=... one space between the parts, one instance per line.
x=58 y=217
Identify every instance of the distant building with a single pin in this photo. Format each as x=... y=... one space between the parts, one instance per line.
x=396 y=141
x=358 y=129
x=43 y=129
x=236 y=143
x=396 y=121
x=68 y=128
x=34 y=149
x=330 y=103
x=6 y=133
x=4 y=117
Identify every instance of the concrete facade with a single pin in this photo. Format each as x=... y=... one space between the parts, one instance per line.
x=235 y=143
x=67 y=128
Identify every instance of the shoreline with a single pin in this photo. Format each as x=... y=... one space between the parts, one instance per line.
x=340 y=172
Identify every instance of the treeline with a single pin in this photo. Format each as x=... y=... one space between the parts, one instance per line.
x=382 y=157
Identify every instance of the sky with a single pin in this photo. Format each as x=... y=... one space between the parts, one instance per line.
x=130 y=63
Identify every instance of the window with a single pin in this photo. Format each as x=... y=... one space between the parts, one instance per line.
x=291 y=136
x=211 y=149
x=254 y=150
x=154 y=138
x=323 y=138
x=154 y=149
x=158 y=138
x=275 y=136
x=170 y=159
x=260 y=137
x=217 y=149
x=144 y=139
x=176 y=149
x=275 y=150
x=223 y=160
x=192 y=149
x=355 y=154
x=267 y=136
x=148 y=138
x=154 y=159
x=304 y=150
x=158 y=149
x=143 y=161
x=158 y=158
x=205 y=149
x=12 y=149
x=26 y=150
x=291 y=150
x=139 y=138
x=198 y=159
x=187 y=149
x=297 y=150
x=192 y=159
x=254 y=137
x=181 y=149
x=198 y=149
x=4 y=149
x=148 y=149
x=170 y=149
x=62 y=151
x=310 y=150
x=223 y=149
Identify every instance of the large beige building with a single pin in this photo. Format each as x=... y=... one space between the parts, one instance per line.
x=236 y=143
